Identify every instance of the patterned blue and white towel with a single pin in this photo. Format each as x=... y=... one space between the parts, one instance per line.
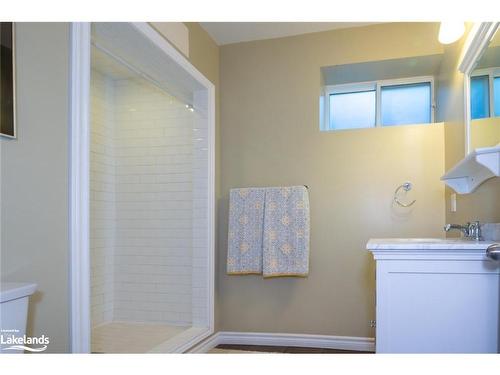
x=286 y=232
x=246 y=221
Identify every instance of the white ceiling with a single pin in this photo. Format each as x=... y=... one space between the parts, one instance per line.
x=235 y=32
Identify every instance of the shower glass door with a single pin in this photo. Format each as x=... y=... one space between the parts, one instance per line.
x=150 y=196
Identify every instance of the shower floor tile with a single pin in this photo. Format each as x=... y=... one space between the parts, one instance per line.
x=125 y=337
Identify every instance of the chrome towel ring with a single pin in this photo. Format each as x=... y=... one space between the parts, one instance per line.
x=406 y=187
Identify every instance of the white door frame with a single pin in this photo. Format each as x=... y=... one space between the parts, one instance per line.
x=79 y=181
x=79 y=188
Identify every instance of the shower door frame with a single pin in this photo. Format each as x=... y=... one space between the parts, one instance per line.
x=79 y=185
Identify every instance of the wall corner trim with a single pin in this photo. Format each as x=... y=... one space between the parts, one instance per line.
x=363 y=344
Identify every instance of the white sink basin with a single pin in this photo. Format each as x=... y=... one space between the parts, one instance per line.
x=426 y=244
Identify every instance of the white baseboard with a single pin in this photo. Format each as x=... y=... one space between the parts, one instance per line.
x=206 y=345
x=362 y=344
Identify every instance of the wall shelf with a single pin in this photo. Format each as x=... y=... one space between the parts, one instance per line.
x=477 y=167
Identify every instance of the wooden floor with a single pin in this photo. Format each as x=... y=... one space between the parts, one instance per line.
x=285 y=349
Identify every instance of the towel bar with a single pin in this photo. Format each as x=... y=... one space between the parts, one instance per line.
x=406 y=187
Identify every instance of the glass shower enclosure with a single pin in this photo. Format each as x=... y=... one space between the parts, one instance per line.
x=151 y=194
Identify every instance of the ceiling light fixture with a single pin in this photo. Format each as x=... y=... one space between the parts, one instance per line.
x=450 y=32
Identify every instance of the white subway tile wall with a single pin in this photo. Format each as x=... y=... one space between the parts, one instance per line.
x=102 y=202
x=149 y=224
x=201 y=236
x=154 y=199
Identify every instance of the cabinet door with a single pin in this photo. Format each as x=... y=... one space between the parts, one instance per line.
x=437 y=306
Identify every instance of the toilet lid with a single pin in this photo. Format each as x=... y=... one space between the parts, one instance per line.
x=10 y=291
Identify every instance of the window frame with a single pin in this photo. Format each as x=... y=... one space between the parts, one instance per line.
x=377 y=87
x=492 y=73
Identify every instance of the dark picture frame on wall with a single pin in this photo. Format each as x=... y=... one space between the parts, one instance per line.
x=7 y=81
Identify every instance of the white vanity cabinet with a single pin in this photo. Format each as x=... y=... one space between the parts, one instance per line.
x=436 y=296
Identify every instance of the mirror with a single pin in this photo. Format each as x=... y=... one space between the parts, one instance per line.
x=483 y=120
x=7 y=81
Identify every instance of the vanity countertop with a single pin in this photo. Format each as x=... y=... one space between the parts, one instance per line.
x=426 y=244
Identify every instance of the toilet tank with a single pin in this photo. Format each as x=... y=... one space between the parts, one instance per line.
x=14 y=298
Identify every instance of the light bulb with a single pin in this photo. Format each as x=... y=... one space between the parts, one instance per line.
x=450 y=32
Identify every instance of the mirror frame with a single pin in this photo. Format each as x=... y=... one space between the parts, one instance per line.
x=476 y=44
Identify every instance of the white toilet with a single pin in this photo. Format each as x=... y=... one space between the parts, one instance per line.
x=14 y=298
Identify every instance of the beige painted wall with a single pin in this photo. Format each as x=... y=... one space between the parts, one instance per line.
x=485 y=132
x=270 y=136
x=34 y=180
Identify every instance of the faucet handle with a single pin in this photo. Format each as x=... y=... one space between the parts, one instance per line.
x=475 y=230
x=474 y=224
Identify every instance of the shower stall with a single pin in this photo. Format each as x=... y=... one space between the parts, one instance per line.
x=151 y=120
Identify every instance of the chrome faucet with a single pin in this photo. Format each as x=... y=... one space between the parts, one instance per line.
x=471 y=231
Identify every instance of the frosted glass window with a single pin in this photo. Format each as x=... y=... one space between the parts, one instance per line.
x=406 y=104
x=352 y=110
x=479 y=97
x=496 y=95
